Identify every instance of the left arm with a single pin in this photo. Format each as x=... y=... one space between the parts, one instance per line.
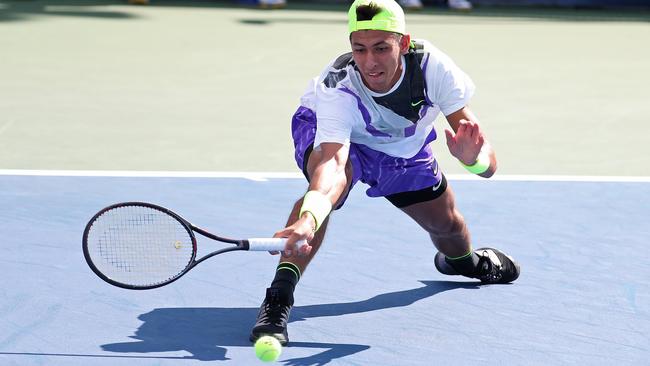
x=468 y=140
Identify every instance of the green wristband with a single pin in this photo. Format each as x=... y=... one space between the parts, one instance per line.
x=481 y=166
x=318 y=205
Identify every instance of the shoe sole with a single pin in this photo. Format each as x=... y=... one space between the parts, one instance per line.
x=516 y=266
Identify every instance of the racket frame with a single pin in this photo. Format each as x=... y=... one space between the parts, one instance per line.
x=190 y=228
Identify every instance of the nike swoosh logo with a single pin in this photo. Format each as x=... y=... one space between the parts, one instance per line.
x=435 y=188
x=416 y=104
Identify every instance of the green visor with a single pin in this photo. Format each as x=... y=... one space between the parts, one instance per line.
x=390 y=17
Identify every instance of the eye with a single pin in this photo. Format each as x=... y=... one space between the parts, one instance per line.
x=358 y=50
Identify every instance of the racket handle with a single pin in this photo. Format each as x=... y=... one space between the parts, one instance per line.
x=271 y=244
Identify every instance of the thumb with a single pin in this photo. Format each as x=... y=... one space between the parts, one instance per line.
x=284 y=233
x=451 y=141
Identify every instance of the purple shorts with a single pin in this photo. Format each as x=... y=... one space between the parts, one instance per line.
x=386 y=175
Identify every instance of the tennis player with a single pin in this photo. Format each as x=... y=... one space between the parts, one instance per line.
x=369 y=117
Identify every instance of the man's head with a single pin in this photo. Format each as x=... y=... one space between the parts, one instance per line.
x=384 y=15
x=378 y=38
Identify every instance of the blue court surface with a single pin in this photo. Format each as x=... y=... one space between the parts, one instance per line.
x=371 y=297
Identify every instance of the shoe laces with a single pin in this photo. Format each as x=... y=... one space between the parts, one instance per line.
x=275 y=312
x=488 y=271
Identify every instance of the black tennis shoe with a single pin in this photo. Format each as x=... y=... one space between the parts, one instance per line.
x=274 y=315
x=494 y=266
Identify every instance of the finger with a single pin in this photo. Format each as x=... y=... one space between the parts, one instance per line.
x=468 y=133
x=451 y=140
x=459 y=133
x=470 y=126
x=478 y=127
x=289 y=247
x=284 y=233
x=304 y=250
x=449 y=134
x=481 y=140
x=462 y=130
x=473 y=131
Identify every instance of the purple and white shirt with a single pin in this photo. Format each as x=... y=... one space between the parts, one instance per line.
x=399 y=122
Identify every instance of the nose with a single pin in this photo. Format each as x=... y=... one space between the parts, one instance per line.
x=370 y=61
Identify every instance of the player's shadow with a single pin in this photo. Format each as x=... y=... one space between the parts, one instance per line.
x=207 y=332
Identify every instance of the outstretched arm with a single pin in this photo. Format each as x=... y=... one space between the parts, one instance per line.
x=327 y=172
x=467 y=140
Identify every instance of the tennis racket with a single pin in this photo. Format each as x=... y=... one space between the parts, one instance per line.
x=138 y=245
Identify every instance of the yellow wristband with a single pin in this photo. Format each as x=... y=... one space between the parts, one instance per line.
x=318 y=205
x=482 y=164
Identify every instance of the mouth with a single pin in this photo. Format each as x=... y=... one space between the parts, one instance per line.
x=375 y=75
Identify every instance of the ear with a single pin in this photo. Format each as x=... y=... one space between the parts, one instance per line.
x=404 y=44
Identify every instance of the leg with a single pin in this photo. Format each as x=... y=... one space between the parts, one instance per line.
x=444 y=223
x=274 y=313
x=449 y=233
x=434 y=209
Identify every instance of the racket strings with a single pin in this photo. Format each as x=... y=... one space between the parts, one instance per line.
x=139 y=246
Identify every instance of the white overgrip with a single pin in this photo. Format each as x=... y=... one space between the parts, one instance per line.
x=271 y=244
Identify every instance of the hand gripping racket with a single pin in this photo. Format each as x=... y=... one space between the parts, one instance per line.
x=137 y=245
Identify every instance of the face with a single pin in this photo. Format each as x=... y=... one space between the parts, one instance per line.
x=377 y=55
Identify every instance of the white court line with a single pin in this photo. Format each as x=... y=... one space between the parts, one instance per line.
x=257 y=176
x=263 y=176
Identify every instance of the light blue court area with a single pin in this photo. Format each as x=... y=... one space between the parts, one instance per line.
x=371 y=297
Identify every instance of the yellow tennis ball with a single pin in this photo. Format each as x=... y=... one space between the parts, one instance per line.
x=268 y=348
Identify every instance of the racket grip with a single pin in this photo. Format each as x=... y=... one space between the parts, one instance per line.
x=271 y=244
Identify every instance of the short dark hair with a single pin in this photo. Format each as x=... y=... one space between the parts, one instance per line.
x=367 y=12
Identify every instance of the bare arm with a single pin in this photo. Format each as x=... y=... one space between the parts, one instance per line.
x=467 y=140
x=329 y=170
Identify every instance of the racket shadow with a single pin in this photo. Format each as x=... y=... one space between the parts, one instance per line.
x=206 y=333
